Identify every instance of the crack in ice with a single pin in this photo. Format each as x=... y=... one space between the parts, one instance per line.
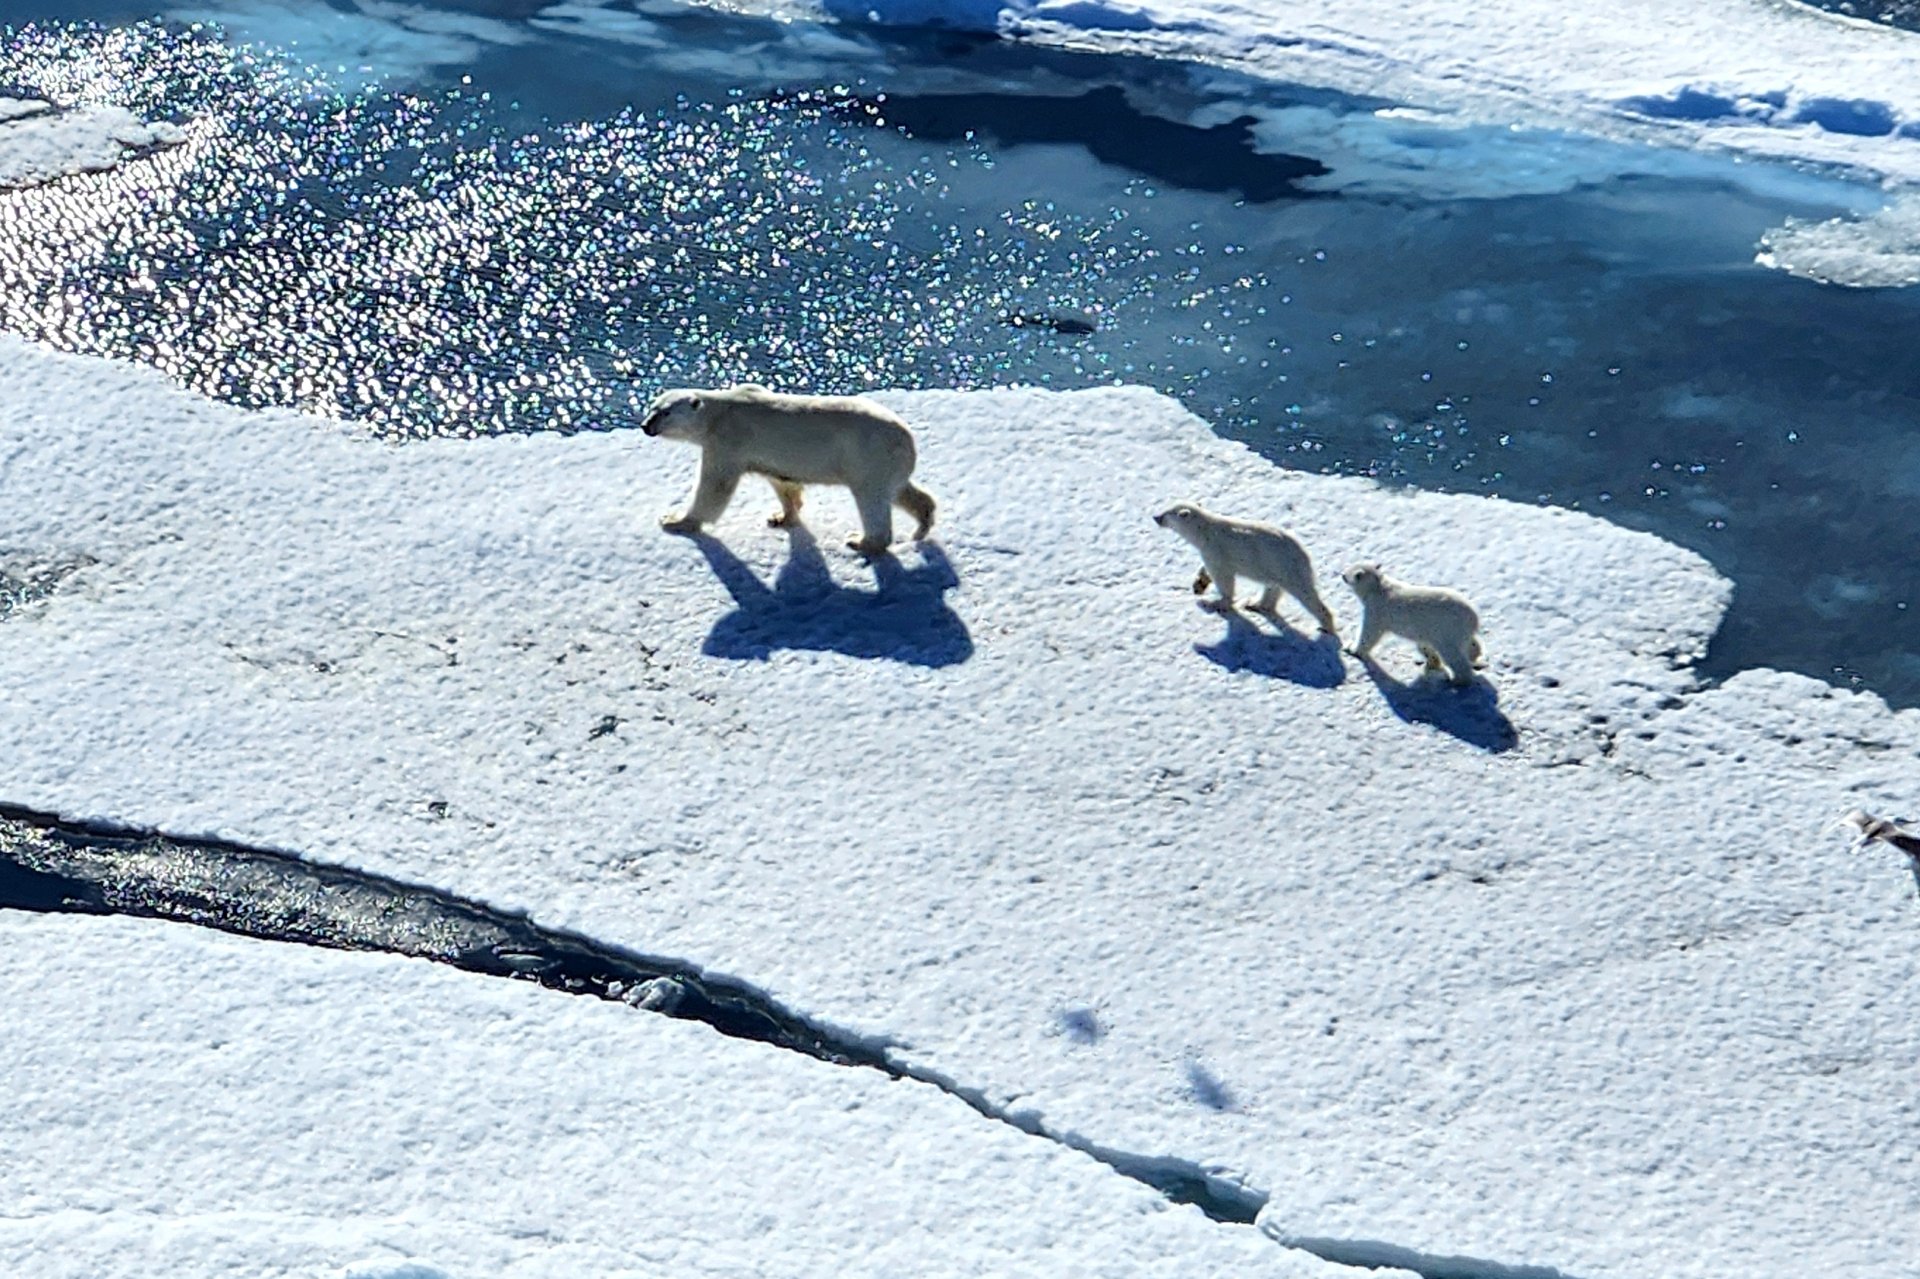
x=51 y=864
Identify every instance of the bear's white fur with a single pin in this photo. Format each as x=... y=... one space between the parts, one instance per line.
x=793 y=440
x=1441 y=622
x=1231 y=549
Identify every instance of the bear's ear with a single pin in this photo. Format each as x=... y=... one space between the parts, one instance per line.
x=693 y=402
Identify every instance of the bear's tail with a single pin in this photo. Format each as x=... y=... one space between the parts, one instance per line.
x=919 y=504
x=1476 y=654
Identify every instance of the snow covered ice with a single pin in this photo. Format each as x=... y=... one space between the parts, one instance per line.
x=183 y=1103
x=1567 y=976
x=1567 y=970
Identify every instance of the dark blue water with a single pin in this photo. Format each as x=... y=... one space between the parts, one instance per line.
x=1894 y=13
x=540 y=234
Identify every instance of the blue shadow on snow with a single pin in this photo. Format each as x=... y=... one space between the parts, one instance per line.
x=1471 y=714
x=905 y=619
x=1282 y=653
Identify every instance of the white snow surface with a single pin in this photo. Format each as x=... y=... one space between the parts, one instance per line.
x=38 y=145
x=1608 y=1002
x=181 y=1102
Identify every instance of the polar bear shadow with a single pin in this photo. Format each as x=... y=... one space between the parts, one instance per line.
x=1469 y=712
x=1282 y=653
x=905 y=619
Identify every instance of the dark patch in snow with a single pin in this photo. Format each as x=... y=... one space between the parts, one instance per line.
x=1081 y=1024
x=1686 y=103
x=1862 y=117
x=49 y=864
x=1376 y=1255
x=28 y=582
x=1209 y=1089
x=1859 y=117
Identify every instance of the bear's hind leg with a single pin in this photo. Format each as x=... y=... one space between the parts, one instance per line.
x=1311 y=601
x=876 y=522
x=1459 y=664
x=919 y=504
x=789 y=494
x=1269 y=601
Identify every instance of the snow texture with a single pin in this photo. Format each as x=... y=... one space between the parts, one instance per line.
x=38 y=144
x=1557 y=971
x=181 y=1102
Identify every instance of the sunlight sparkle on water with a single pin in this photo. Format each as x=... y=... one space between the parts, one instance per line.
x=406 y=263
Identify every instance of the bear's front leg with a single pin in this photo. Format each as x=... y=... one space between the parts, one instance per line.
x=711 y=494
x=1224 y=582
x=1370 y=632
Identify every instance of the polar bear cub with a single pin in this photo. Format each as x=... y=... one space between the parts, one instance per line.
x=793 y=440
x=1439 y=621
x=1231 y=549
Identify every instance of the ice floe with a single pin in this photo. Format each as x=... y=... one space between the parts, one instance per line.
x=39 y=144
x=1768 y=78
x=180 y=1102
x=1560 y=971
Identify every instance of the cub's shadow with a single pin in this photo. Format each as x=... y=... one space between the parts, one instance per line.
x=1471 y=714
x=905 y=619
x=1282 y=653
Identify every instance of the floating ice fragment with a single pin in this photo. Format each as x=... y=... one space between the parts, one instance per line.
x=1880 y=250
x=661 y=995
x=521 y=961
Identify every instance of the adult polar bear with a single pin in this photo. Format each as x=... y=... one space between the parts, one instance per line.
x=794 y=440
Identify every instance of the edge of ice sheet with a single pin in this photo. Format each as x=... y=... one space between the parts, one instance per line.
x=186 y=1102
x=1767 y=78
x=1608 y=1002
x=45 y=144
